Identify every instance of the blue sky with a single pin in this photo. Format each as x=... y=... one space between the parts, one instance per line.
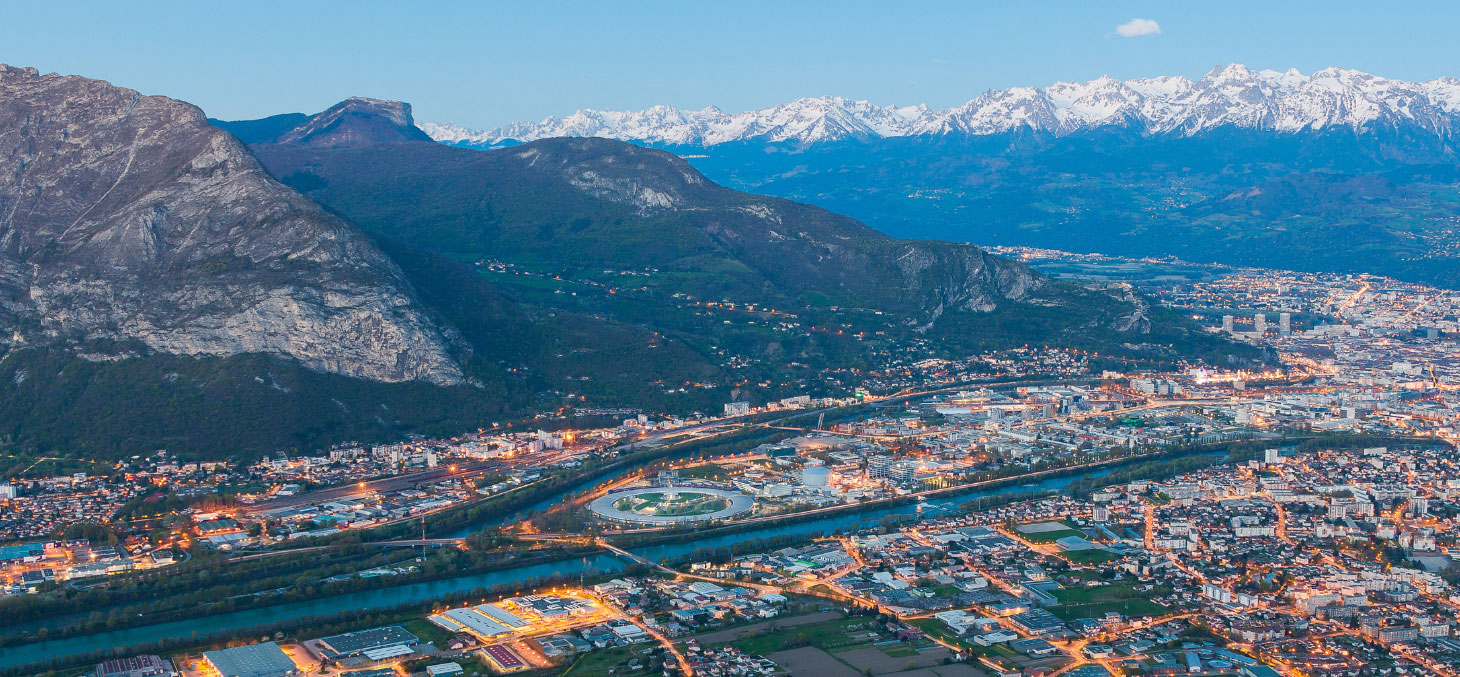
x=483 y=64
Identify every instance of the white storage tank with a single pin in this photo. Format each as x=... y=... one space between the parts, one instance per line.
x=815 y=476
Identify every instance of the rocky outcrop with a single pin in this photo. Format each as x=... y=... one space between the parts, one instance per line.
x=128 y=218
x=356 y=121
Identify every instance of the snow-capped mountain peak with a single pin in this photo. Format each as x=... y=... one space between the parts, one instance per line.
x=1231 y=95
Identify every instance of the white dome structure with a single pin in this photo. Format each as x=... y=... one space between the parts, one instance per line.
x=815 y=476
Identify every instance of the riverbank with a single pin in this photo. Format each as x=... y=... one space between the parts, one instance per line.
x=948 y=501
x=371 y=601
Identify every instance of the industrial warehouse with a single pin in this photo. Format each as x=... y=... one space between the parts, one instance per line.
x=521 y=616
x=253 y=660
x=376 y=644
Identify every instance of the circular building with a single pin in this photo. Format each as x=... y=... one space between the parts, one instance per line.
x=815 y=475
x=670 y=505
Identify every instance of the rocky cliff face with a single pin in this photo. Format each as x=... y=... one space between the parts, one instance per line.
x=356 y=121
x=128 y=218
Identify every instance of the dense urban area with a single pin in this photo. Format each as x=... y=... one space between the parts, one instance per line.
x=1031 y=512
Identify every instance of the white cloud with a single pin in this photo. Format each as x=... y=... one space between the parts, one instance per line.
x=1138 y=27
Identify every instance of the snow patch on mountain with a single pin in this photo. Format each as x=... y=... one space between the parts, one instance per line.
x=1234 y=95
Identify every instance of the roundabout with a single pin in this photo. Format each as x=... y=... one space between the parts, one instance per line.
x=670 y=505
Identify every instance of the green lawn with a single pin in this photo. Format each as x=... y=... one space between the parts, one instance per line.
x=1052 y=536
x=707 y=471
x=1096 y=602
x=826 y=635
x=945 y=590
x=1004 y=650
x=427 y=632
x=600 y=661
x=1089 y=556
x=684 y=503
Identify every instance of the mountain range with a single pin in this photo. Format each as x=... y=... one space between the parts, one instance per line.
x=640 y=236
x=1234 y=96
x=1337 y=171
x=234 y=288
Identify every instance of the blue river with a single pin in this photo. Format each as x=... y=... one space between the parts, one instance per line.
x=392 y=596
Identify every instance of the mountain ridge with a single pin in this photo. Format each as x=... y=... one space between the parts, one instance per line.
x=797 y=248
x=1233 y=95
x=356 y=121
x=128 y=218
x=639 y=235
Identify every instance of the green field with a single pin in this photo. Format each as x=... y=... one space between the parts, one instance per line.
x=1096 y=602
x=827 y=635
x=605 y=661
x=707 y=471
x=945 y=590
x=684 y=503
x=427 y=632
x=833 y=636
x=1050 y=536
x=1089 y=556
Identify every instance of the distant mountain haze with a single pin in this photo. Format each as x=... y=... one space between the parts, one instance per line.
x=1337 y=171
x=1229 y=96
